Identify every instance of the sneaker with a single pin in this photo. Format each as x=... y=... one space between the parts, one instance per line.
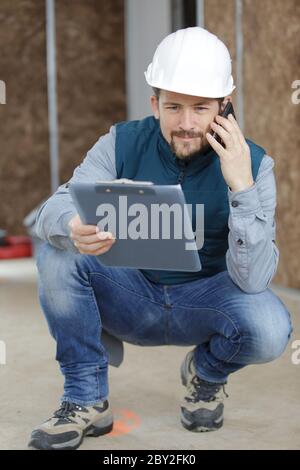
x=70 y=424
x=202 y=407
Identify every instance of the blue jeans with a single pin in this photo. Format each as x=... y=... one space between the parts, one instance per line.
x=79 y=296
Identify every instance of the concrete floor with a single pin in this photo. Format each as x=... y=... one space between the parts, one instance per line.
x=262 y=412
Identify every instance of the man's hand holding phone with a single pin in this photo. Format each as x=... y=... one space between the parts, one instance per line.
x=235 y=155
x=88 y=239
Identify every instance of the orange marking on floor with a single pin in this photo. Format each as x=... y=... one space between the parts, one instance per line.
x=125 y=421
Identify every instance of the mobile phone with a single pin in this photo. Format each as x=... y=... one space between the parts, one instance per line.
x=227 y=110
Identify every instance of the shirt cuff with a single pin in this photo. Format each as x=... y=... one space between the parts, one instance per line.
x=62 y=227
x=245 y=202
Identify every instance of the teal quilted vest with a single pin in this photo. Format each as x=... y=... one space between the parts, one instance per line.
x=143 y=154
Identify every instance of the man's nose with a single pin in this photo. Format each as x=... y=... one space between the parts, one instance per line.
x=186 y=121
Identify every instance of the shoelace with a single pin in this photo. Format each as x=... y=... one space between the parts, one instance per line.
x=204 y=390
x=66 y=410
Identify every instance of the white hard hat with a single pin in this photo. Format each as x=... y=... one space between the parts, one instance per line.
x=192 y=61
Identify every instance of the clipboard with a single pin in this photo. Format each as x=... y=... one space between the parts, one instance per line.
x=143 y=213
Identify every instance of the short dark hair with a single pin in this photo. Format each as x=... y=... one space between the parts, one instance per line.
x=156 y=92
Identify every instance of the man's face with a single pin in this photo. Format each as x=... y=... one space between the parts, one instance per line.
x=185 y=120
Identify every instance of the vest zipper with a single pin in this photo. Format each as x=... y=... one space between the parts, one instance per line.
x=181 y=175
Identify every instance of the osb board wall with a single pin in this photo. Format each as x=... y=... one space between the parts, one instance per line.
x=91 y=94
x=219 y=19
x=24 y=172
x=91 y=75
x=271 y=64
x=273 y=37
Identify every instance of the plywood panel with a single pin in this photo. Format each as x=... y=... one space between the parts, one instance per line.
x=219 y=20
x=272 y=59
x=91 y=79
x=24 y=170
x=91 y=93
x=271 y=64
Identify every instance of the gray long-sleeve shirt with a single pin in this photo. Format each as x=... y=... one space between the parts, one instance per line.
x=252 y=255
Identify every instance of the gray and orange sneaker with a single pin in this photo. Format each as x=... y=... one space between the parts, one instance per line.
x=202 y=407
x=70 y=424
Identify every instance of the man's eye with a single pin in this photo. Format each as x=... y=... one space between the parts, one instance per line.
x=200 y=108
x=172 y=107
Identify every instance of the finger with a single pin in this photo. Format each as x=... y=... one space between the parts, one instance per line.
x=228 y=126
x=105 y=235
x=100 y=251
x=221 y=151
x=103 y=250
x=233 y=121
x=224 y=122
x=97 y=251
x=237 y=128
x=89 y=239
x=86 y=239
x=94 y=247
x=83 y=229
x=237 y=133
x=76 y=222
x=225 y=136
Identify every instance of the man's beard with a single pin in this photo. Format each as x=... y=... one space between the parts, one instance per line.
x=186 y=151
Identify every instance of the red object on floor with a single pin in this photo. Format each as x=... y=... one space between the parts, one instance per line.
x=16 y=247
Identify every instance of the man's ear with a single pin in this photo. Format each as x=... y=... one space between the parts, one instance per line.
x=154 y=106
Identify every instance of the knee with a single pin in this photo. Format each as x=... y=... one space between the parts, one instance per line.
x=63 y=269
x=268 y=335
x=53 y=265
